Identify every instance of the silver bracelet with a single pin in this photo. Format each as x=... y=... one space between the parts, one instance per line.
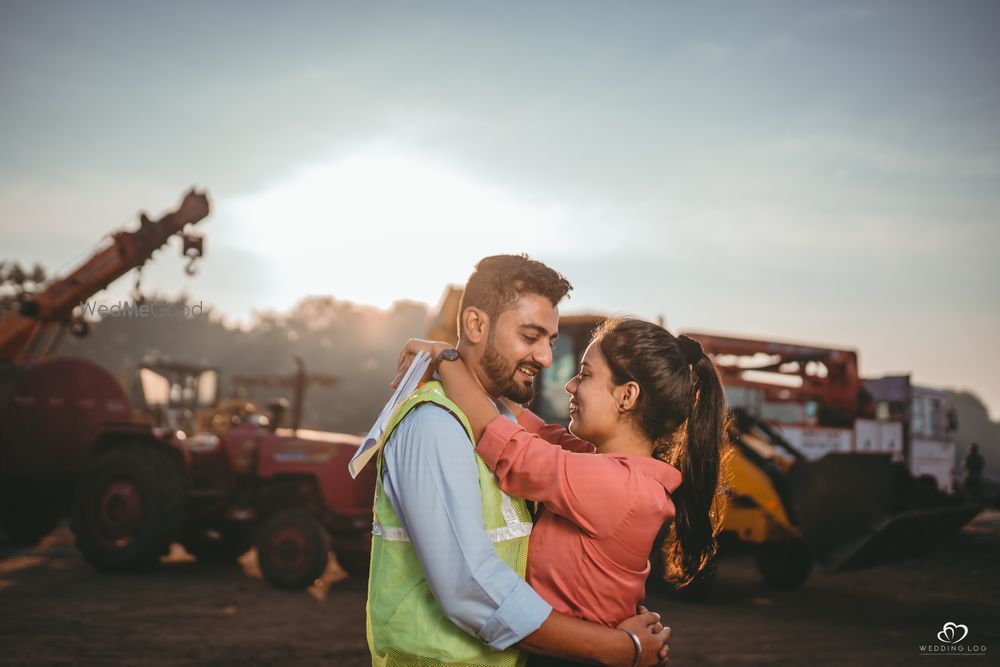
x=638 y=646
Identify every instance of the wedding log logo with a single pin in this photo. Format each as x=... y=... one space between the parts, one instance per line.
x=947 y=633
x=950 y=635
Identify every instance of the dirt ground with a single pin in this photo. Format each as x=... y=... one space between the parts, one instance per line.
x=55 y=610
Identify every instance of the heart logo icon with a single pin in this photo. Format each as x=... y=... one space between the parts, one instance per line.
x=948 y=632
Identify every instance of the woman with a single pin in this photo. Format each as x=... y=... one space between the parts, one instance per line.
x=651 y=406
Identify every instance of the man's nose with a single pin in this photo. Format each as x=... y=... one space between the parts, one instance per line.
x=543 y=355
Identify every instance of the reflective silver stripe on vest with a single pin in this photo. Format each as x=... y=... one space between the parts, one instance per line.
x=507 y=510
x=390 y=533
x=502 y=534
x=510 y=532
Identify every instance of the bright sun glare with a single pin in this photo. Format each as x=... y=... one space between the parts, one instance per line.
x=380 y=226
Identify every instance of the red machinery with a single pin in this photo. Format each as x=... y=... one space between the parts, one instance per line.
x=250 y=482
x=856 y=502
x=57 y=415
x=824 y=381
x=66 y=425
x=34 y=329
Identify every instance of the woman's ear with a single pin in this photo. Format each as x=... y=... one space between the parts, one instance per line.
x=627 y=396
x=475 y=324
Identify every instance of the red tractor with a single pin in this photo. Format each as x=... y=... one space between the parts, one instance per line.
x=69 y=442
x=249 y=482
x=58 y=416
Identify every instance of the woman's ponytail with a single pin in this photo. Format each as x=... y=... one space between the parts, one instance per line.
x=699 y=500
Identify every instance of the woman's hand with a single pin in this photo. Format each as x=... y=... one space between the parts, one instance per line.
x=652 y=634
x=410 y=350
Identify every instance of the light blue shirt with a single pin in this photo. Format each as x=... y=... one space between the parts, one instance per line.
x=430 y=477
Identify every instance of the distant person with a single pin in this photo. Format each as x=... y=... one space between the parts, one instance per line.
x=278 y=408
x=449 y=548
x=974 y=463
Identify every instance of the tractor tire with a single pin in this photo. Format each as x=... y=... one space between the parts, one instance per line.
x=355 y=563
x=28 y=513
x=129 y=509
x=224 y=544
x=784 y=566
x=293 y=549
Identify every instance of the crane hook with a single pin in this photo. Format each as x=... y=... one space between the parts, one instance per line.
x=193 y=249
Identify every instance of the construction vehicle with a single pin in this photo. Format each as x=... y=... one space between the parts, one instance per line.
x=58 y=416
x=811 y=475
x=851 y=486
x=173 y=395
x=929 y=422
x=186 y=397
x=135 y=484
x=252 y=482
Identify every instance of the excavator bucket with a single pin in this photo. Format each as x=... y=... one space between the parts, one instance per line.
x=853 y=510
x=860 y=510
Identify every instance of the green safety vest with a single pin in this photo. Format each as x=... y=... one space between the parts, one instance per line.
x=405 y=625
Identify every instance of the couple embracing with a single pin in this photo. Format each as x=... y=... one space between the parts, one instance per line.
x=460 y=573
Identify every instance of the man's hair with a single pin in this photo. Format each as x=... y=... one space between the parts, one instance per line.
x=498 y=281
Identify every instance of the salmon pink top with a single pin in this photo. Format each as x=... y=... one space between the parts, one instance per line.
x=589 y=550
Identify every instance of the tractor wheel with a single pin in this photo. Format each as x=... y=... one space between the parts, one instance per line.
x=784 y=565
x=28 y=513
x=293 y=549
x=129 y=509
x=355 y=563
x=224 y=544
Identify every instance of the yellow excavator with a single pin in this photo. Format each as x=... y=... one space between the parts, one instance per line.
x=785 y=505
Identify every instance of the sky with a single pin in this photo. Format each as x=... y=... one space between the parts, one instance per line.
x=807 y=171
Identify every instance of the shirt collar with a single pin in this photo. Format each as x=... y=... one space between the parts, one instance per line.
x=661 y=471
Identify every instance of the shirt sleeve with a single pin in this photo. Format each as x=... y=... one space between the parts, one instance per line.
x=431 y=481
x=591 y=491
x=554 y=433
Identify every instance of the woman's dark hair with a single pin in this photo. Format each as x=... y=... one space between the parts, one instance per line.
x=682 y=409
x=499 y=280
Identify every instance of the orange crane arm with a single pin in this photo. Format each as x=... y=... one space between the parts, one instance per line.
x=129 y=250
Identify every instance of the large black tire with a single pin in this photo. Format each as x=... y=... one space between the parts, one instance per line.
x=784 y=566
x=28 y=512
x=293 y=549
x=223 y=544
x=129 y=509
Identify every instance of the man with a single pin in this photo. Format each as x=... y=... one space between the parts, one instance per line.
x=449 y=548
x=974 y=464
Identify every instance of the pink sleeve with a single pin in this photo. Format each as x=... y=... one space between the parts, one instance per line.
x=589 y=490
x=554 y=433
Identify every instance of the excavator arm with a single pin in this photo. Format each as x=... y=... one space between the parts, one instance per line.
x=54 y=305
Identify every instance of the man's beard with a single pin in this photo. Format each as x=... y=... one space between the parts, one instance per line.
x=500 y=373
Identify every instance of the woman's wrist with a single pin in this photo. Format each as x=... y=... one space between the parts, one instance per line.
x=442 y=352
x=636 y=645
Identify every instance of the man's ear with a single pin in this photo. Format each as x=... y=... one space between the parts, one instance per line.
x=475 y=324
